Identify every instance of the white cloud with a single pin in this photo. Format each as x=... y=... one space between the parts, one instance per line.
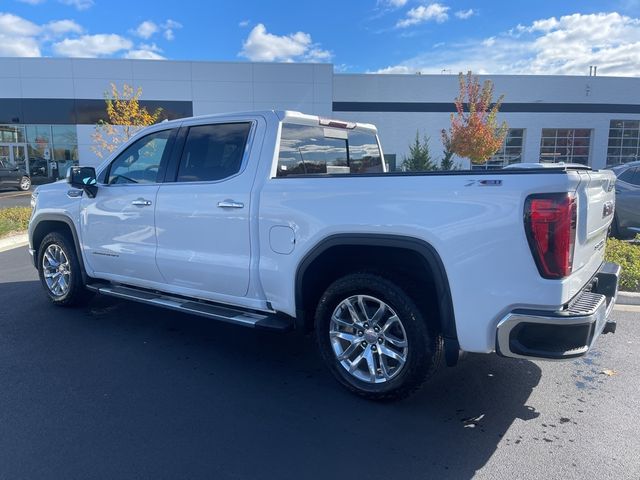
x=244 y=23
x=92 y=45
x=464 y=14
x=169 y=28
x=424 y=13
x=146 y=29
x=556 y=46
x=392 y=3
x=18 y=37
x=145 y=52
x=263 y=46
x=78 y=4
x=62 y=27
x=22 y=38
x=32 y=2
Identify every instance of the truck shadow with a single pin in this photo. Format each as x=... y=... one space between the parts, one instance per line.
x=175 y=396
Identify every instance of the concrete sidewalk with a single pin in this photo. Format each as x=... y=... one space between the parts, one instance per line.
x=13 y=241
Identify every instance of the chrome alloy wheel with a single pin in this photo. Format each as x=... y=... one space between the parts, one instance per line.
x=56 y=270
x=25 y=183
x=368 y=339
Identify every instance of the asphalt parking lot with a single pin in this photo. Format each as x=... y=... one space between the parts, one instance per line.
x=122 y=390
x=14 y=198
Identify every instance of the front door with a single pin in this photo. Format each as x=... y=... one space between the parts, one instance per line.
x=118 y=226
x=202 y=217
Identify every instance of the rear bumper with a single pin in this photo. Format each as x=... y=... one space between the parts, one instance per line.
x=566 y=333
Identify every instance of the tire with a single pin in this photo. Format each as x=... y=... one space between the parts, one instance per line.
x=25 y=184
x=57 y=258
x=360 y=344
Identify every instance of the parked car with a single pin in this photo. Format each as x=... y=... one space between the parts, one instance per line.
x=280 y=220
x=11 y=176
x=626 y=221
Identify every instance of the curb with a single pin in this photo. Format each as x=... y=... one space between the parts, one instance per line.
x=13 y=241
x=628 y=298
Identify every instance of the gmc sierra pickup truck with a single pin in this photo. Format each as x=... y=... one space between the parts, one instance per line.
x=280 y=220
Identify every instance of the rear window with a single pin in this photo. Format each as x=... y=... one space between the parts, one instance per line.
x=311 y=150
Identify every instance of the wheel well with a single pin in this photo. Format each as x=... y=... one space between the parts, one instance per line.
x=408 y=261
x=405 y=266
x=45 y=227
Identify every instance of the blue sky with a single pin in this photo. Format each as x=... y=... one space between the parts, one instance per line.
x=393 y=36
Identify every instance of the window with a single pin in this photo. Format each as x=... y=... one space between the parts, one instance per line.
x=306 y=149
x=11 y=134
x=565 y=145
x=510 y=151
x=213 y=152
x=631 y=176
x=140 y=162
x=624 y=141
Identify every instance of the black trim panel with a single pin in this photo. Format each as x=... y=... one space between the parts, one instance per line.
x=78 y=111
x=445 y=303
x=449 y=107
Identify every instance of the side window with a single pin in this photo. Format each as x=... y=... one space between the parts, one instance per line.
x=140 y=162
x=308 y=150
x=213 y=152
x=632 y=176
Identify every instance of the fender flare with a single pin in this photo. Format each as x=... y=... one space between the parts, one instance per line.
x=59 y=218
x=426 y=250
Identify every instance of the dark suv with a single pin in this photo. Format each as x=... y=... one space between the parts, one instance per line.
x=12 y=176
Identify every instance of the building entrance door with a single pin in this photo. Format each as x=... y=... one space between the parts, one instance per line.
x=15 y=154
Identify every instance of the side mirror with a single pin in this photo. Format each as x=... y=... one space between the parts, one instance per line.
x=84 y=178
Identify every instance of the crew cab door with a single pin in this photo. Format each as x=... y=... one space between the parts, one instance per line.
x=118 y=226
x=203 y=211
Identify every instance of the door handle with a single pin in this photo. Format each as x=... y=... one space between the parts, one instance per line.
x=230 y=204
x=141 y=202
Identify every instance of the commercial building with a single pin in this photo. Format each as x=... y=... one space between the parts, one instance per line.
x=49 y=107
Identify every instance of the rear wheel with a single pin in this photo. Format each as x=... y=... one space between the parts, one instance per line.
x=25 y=184
x=373 y=337
x=59 y=270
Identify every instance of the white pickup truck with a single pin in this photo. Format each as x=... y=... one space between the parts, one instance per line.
x=281 y=220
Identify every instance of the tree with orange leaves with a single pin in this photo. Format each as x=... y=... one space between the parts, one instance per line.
x=126 y=117
x=474 y=131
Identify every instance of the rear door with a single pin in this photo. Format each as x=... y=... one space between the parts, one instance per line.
x=118 y=225
x=203 y=211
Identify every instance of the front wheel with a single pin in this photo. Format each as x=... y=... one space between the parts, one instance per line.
x=374 y=338
x=59 y=270
x=25 y=184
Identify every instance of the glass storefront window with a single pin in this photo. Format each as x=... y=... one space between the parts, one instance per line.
x=11 y=134
x=64 y=135
x=565 y=145
x=624 y=142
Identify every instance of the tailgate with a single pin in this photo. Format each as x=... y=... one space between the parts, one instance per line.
x=596 y=198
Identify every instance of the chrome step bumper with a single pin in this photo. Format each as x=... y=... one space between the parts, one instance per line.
x=566 y=333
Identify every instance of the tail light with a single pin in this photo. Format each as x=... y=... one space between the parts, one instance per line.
x=550 y=223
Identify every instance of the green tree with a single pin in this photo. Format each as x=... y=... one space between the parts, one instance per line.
x=419 y=158
x=447 y=162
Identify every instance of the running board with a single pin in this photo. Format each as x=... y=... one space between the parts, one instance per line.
x=204 y=309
